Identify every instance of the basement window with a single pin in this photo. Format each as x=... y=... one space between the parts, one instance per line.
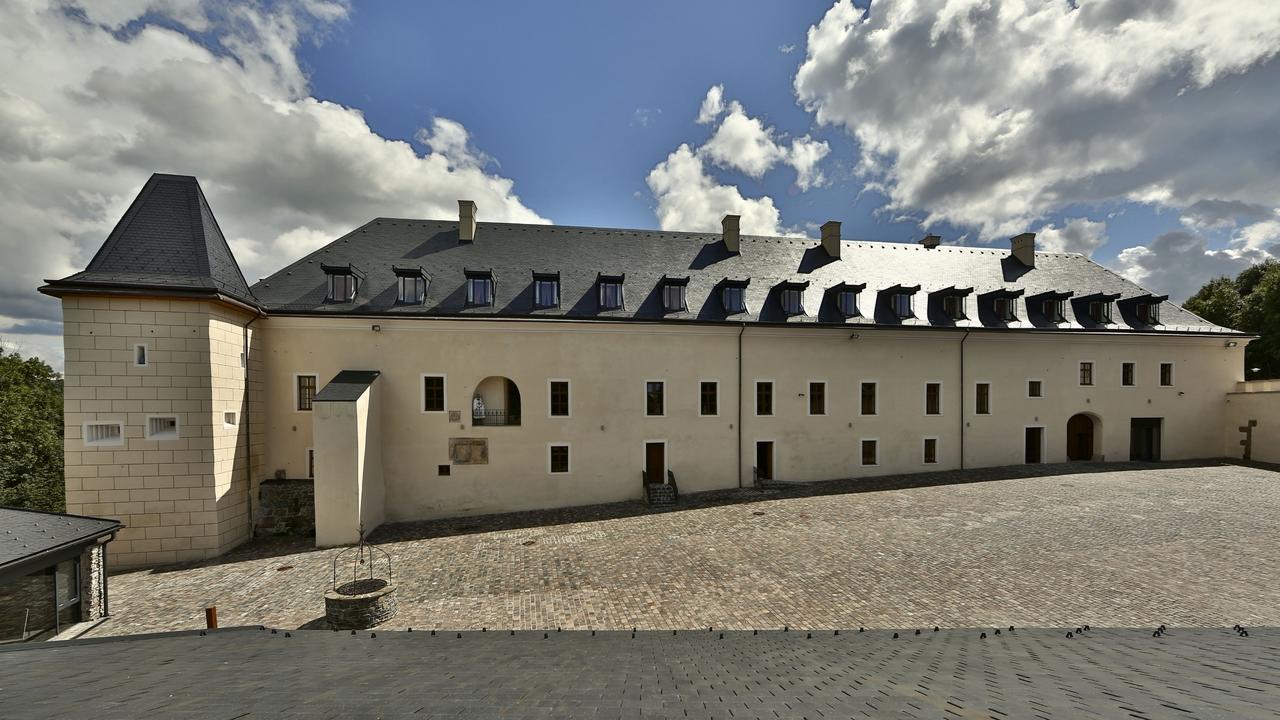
x=103 y=433
x=229 y=419
x=162 y=427
x=930 y=451
x=869 y=452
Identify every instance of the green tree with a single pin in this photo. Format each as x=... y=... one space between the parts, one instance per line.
x=30 y=434
x=1249 y=303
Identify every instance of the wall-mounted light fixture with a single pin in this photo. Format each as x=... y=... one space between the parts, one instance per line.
x=377 y=328
x=1232 y=343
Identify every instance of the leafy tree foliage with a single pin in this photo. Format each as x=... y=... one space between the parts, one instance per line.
x=1251 y=303
x=30 y=434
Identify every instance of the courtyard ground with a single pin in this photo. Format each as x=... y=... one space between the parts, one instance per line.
x=1129 y=545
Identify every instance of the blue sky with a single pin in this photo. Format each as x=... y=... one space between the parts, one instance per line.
x=1139 y=133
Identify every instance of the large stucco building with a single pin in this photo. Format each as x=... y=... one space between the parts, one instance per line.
x=428 y=368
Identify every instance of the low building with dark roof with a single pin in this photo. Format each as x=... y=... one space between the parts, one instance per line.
x=464 y=367
x=53 y=572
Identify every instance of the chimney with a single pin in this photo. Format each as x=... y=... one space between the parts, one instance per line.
x=931 y=241
x=730 y=232
x=466 y=220
x=1023 y=249
x=831 y=237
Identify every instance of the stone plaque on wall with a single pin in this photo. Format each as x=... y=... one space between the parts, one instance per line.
x=469 y=451
x=455 y=416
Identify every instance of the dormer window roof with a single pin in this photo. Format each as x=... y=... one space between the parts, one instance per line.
x=673 y=299
x=411 y=285
x=482 y=287
x=610 y=289
x=901 y=300
x=954 y=302
x=1097 y=306
x=791 y=296
x=344 y=282
x=846 y=298
x=1145 y=308
x=1051 y=304
x=733 y=295
x=1004 y=303
x=546 y=290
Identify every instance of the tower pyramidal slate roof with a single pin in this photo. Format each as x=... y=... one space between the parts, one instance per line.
x=167 y=243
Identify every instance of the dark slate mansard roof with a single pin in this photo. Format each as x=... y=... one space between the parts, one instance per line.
x=169 y=243
x=31 y=539
x=514 y=253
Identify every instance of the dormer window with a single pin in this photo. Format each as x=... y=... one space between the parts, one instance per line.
x=610 y=291
x=1055 y=310
x=1006 y=310
x=901 y=300
x=480 y=287
x=901 y=303
x=791 y=297
x=411 y=285
x=1149 y=313
x=344 y=283
x=546 y=290
x=1100 y=311
x=953 y=306
x=733 y=294
x=847 y=301
x=673 y=293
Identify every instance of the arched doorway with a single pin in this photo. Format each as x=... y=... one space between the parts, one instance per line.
x=1080 y=437
x=496 y=402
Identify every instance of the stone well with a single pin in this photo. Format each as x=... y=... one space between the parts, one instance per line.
x=360 y=604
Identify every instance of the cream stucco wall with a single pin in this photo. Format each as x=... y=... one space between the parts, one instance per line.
x=608 y=365
x=183 y=498
x=1257 y=401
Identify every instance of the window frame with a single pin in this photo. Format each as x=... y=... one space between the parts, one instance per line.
x=875 y=398
x=663 y=398
x=235 y=417
x=490 y=289
x=862 y=452
x=351 y=283
x=146 y=355
x=1103 y=314
x=1093 y=379
x=1011 y=306
x=175 y=434
x=1172 y=378
x=678 y=290
x=297 y=392
x=546 y=280
x=960 y=307
x=852 y=310
x=755 y=397
x=604 y=282
x=976 y=405
x=402 y=282
x=1040 y=383
x=118 y=441
x=927 y=383
x=716 y=384
x=1152 y=312
x=1132 y=367
x=551 y=398
x=809 y=398
x=741 y=291
x=422 y=393
x=784 y=296
x=924 y=450
x=910 y=310
x=1059 y=306
x=568 y=458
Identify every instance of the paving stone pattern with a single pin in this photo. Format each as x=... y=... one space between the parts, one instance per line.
x=1187 y=673
x=1109 y=545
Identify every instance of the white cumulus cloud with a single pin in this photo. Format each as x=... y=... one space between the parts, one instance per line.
x=690 y=199
x=712 y=105
x=1077 y=235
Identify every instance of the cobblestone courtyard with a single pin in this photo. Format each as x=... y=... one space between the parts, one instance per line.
x=1107 y=545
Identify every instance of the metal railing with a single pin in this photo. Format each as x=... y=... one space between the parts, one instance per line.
x=495 y=418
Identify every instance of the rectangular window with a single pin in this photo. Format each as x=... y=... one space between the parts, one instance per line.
x=546 y=293
x=930 y=451
x=933 y=398
x=673 y=297
x=709 y=398
x=655 y=398
x=902 y=305
x=847 y=301
x=953 y=306
x=1100 y=312
x=868 y=399
x=229 y=419
x=433 y=399
x=792 y=301
x=103 y=433
x=764 y=397
x=982 y=399
x=1166 y=374
x=306 y=391
x=610 y=295
x=479 y=291
x=1035 y=388
x=734 y=298
x=1055 y=310
x=559 y=398
x=342 y=287
x=1126 y=374
x=411 y=289
x=311 y=462
x=1005 y=309
x=869 y=454
x=140 y=355
x=559 y=460
x=817 y=398
x=1086 y=373
x=162 y=427
x=1149 y=313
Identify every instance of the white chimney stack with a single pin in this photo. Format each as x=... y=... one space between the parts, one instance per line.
x=1023 y=249
x=831 y=237
x=729 y=232
x=466 y=220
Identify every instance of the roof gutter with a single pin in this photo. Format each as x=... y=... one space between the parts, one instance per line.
x=962 y=391
x=742 y=329
x=24 y=565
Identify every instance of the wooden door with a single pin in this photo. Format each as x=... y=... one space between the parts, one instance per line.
x=764 y=459
x=655 y=462
x=1035 y=443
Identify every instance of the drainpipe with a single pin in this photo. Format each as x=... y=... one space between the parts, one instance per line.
x=248 y=429
x=962 y=391
x=740 y=331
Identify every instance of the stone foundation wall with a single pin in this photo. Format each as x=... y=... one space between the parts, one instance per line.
x=286 y=507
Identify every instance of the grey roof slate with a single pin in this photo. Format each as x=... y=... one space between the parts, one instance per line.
x=515 y=252
x=347 y=386
x=168 y=239
x=27 y=533
x=237 y=673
